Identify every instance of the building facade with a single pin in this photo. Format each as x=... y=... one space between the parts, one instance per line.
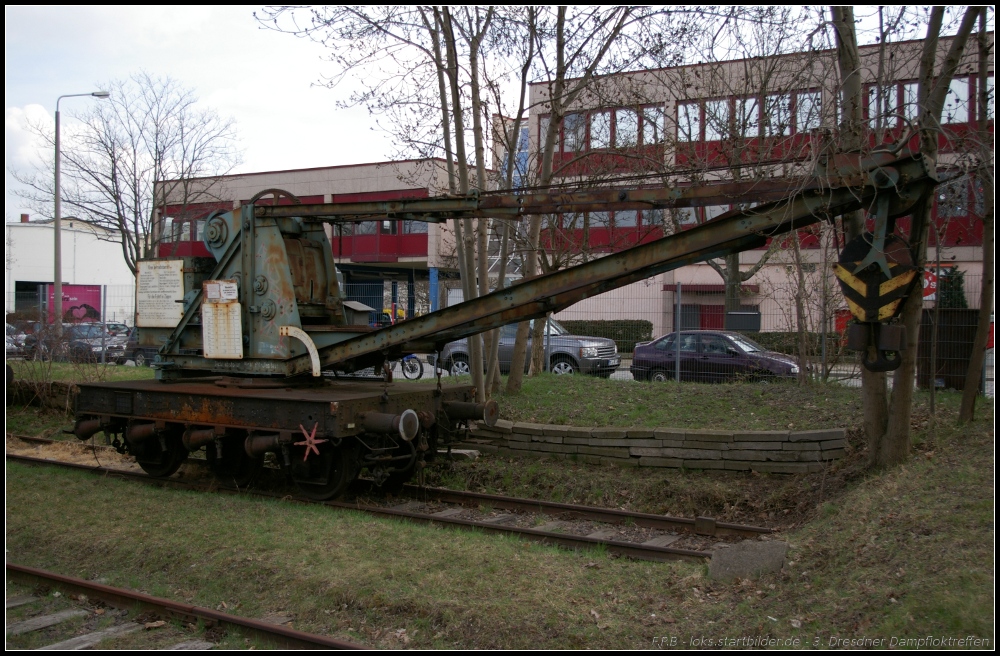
x=93 y=270
x=750 y=120
x=409 y=264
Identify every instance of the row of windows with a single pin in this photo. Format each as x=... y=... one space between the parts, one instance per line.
x=741 y=117
x=752 y=116
x=888 y=105
x=381 y=227
x=608 y=128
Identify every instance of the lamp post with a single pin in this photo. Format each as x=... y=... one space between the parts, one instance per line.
x=57 y=282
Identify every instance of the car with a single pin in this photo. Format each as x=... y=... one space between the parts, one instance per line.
x=567 y=354
x=117 y=329
x=142 y=355
x=79 y=342
x=14 y=341
x=709 y=356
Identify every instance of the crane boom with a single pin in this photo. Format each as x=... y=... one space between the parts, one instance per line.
x=290 y=316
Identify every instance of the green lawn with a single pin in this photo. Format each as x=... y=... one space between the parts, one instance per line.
x=901 y=554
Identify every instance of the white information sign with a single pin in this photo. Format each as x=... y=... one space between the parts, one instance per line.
x=221 y=331
x=159 y=292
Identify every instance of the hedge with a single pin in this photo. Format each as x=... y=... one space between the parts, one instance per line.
x=625 y=332
x=788 y=342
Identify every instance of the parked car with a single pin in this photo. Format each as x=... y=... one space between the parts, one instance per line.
x=141 y=355
x=79 y=342
x=118 y=329
x=567 y=354
x=14 y=341
x=709 y=356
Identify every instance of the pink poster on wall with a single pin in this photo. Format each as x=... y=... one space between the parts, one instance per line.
x=80 y=303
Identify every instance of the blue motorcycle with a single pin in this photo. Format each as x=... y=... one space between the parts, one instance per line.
x=412 y=367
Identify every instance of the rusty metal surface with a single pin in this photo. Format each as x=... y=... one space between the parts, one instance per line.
x=281 y=635
x=734 y=231
x=608 y=515
x=336 y=406
x=282 y=258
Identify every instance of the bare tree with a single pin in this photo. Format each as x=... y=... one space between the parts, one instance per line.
x=887 y=425
x=133 y=153
x=426 y=71
x=984 y=178
x=580 y=52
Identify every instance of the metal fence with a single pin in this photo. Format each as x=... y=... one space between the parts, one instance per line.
x=638 y=321
x=81 y=303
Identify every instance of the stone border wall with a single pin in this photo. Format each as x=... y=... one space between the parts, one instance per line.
x=790 y=452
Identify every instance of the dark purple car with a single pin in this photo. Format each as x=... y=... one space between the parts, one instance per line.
x=709 y=356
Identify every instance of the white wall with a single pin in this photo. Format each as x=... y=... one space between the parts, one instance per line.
x=87 y=259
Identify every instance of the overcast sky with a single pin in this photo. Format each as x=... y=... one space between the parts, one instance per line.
x=261 y=78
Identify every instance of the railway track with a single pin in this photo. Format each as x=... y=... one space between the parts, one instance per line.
x=640 y=536
x=80 y=619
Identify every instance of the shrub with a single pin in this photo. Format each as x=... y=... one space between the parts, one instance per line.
x=625 y=332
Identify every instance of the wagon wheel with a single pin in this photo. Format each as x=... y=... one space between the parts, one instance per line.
x=161 y=455
x=323 y=476
x=235 y=467
x=393 y=482
x=276 y=194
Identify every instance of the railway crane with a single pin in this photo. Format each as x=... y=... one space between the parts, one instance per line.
x=244 y=337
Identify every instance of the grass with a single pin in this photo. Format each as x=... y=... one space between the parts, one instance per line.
x=588 y=401
x=903 y=553
x=37 y=370
x=164 y=636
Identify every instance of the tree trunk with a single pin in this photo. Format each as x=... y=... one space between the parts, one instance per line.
x=894 y=446
x=732 y=282
x=468 y=239
x=801 y=323
x=974 y=374
x=874 y=395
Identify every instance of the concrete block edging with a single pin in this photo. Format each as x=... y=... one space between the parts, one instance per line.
x=779 y=451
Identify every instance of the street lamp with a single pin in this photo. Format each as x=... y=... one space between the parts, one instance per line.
x=57 y=283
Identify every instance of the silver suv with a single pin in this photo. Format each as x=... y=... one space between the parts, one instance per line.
x=567 y=354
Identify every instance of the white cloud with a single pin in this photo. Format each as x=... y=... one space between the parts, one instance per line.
x=261 y=78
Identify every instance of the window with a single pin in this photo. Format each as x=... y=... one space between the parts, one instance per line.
x=991 y=96
x=911 y=107
x=414 y=227
x=686 y=216
x=977 y=192
x=748 y=117
x=626 y=128
x=574 y=132
x=953 y=199
x=715 y=345
x=778 y=115
x=366 y=228
x=600 y=129
x=666 y=344
x=808 y=110
x=882 y=106
x=689 y=122
x=652 y=125
x=956 y=102
x=572 y=221
x=657 y=218
x=543 y=130
x=626 y=219
x=716 y=120
x=713 y=211
x=600 y=219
